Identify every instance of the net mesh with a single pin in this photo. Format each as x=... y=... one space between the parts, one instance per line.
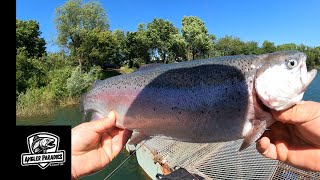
x=222 y=160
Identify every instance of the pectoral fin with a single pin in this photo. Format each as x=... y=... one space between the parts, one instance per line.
x=258 y=128
x=137 y=137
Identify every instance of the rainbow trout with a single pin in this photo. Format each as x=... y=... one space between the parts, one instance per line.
x=202 y=101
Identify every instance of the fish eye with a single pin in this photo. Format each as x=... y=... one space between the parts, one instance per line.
x=292 y=63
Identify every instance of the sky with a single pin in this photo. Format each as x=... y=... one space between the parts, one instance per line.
x=278 y=21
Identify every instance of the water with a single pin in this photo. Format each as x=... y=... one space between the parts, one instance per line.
x=131 y=169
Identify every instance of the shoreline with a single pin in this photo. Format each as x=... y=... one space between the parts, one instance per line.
x=45 y=109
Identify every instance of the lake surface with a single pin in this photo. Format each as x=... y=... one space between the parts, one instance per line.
x=131 y=169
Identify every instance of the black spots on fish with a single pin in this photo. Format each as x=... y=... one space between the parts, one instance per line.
x=196 y=76
x=180 y=112
x=239 y=109
x=154 y=109
x=217 y=112
x=174 y=108
x=226 y=89
x=202 y=112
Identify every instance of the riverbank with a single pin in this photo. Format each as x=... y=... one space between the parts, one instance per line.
x=45 y=100
x=45 y=108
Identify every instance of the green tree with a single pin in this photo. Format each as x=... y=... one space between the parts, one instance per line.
x=121 y=49
x=196 y=35
x=74 y=20
x=160 y=33
x=290 y=46
x=178 y=48
x=98 y=47
x=138 y=45
x=268 y=47
x=28 y=37
x=251 y=47
x=30 y=72
x=230 y=45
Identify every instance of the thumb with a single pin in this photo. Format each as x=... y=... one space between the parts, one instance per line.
x=103 y=124
x=302 y=112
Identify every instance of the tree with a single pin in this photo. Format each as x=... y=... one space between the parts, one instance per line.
x=251 y=47
x=230 y=45
x=98 y=47
x=196 y=35
x=30 y=72
x=290 y=46
x=28 y=37
x=122 y=51
x=178 y=48
x=160 y=33
x=74 y=20
x=138 y=45
x=268 y=47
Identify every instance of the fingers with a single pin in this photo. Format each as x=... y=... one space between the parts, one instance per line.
x=266 y=148
x=300 y=113
x=112 y=145
x=101 y=125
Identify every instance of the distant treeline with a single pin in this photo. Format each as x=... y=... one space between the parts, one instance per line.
x=88 y=46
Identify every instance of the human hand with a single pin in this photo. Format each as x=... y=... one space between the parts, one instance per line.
x=95 y=144
x=295 y=137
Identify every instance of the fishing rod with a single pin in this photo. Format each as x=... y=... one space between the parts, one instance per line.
x=122 y=163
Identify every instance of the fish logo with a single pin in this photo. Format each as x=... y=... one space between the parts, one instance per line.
x=41 y=145
x=43 y=150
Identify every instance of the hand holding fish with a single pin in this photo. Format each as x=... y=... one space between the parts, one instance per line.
x=295 y=138
x=95 y=144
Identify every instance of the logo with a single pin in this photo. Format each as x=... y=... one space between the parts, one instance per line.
x=43 y=150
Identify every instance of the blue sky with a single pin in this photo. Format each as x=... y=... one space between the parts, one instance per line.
x=279 y=21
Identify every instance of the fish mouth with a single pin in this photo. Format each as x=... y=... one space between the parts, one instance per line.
x=307 y=78
x=50 y=144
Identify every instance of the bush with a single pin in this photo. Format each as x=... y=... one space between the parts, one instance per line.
x=79 y=82
x=57 y=80
x=35 y=102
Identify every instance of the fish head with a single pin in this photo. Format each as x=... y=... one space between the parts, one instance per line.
x=47 y=143
x=282 y=79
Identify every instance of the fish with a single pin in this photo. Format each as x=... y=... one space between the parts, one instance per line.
x=41 y=145
x=202 y=101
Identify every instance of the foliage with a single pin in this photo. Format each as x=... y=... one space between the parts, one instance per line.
x=98 y=47
x=196 y=35
x=28 y=37
x=57 y=80
x=160 y=33
x=35 y=101
x=79 y=82
x=74 y=20
x=138 y=45
x=30 y=72
x=178 y=48
x=268 y=47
